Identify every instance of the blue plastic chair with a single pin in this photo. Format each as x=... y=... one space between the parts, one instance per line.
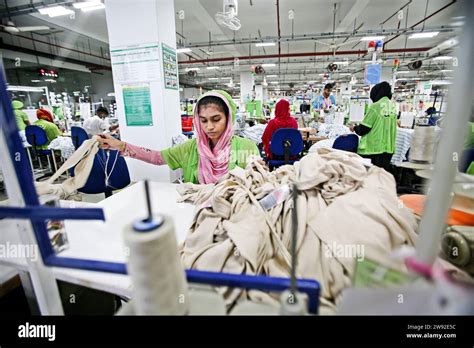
x=286 y=143
x=119 y=175
x=346 y=142
x=78 y=136
x=36 y=136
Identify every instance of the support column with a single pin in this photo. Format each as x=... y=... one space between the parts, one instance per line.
x=142 y=81
x=246 y=86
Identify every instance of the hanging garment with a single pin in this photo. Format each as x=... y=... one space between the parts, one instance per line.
x=339 y=202
x=83 y=159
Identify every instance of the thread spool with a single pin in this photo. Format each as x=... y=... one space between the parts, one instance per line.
x=159 y=282
x=293 y=304
x=458 y=247
x=423 y=145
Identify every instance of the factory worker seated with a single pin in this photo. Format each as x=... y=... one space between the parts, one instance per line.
x=209 y=156
x=98 y=124
x=46 y=122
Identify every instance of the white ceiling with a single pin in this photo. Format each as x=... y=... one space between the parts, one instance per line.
x=259 y=18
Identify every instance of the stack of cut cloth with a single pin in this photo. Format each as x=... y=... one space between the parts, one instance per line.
x=254 y=133
x=64 y=144
x=339 y=202
x=331 y=132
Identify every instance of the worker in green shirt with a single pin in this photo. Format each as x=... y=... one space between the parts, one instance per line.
x=209 y=156
x=46 y=122
x=21 y=117
x=378 y=129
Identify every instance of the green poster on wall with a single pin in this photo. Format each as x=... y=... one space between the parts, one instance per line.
x=170 y=67
x=137 y=104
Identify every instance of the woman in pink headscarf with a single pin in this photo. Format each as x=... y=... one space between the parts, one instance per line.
x=282 y=120
x=209 y=156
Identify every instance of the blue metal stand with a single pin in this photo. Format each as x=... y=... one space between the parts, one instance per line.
x=38 y=214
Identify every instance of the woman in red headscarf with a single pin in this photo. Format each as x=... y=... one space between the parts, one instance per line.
x=282 y=120
x=46 y=121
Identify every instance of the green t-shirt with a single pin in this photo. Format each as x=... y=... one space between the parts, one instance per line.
x=381 y=118
x=186 y=156
x=21 y=118
x=52 y=132
x=470 y=136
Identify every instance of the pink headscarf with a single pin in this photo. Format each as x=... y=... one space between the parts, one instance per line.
x=213 y=163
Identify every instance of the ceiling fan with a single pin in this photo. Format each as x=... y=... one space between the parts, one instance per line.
x=11 y=28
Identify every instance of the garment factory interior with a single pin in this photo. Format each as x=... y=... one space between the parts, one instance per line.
x=236 y=157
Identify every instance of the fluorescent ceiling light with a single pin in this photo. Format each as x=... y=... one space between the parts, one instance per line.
x=345 y=74
x=183 y=50
x=446 y=71
x=342 y=63
x=212 y=68
x=372 y=38
x=268 y=65
x=93 y=8
x=441 y=82
x=263 y=44
x=322 y=74
x=403 y=72
x=35 y=80
x=55 y=11
x=271 y=75
x=442 y=58
x=213 y=78
x=226 y=78
x=90 y=3
x=274 y=82
x=192 y=69
x=423 y=35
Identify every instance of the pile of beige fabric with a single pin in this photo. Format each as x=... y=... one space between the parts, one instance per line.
x=340 y=203
x=83 y=160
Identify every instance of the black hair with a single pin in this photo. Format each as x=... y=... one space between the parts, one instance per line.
x=381 y=90
x=328 y=86
x=431 y=110
x=221 y=105
x=102 y=109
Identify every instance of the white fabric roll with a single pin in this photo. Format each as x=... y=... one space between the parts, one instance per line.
x=158 y=278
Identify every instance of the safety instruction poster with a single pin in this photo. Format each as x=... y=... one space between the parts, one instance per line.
x=137 y=63
x=170 y=67
x=137 y=105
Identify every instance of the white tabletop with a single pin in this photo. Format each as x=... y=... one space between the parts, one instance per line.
x=103 y=241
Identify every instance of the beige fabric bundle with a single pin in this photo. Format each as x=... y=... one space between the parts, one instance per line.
x=83 y=159
x=339 y=202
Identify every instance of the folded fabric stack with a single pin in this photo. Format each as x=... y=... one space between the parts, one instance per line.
x=254 y=133
x=64 y=144
x=330 y=131
x=340 y=203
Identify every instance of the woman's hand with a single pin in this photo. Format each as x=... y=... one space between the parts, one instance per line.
x=108 y=142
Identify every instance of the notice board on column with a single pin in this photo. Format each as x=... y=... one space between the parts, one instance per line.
x=136 y=63
x=170 y=67
x=137 y=105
